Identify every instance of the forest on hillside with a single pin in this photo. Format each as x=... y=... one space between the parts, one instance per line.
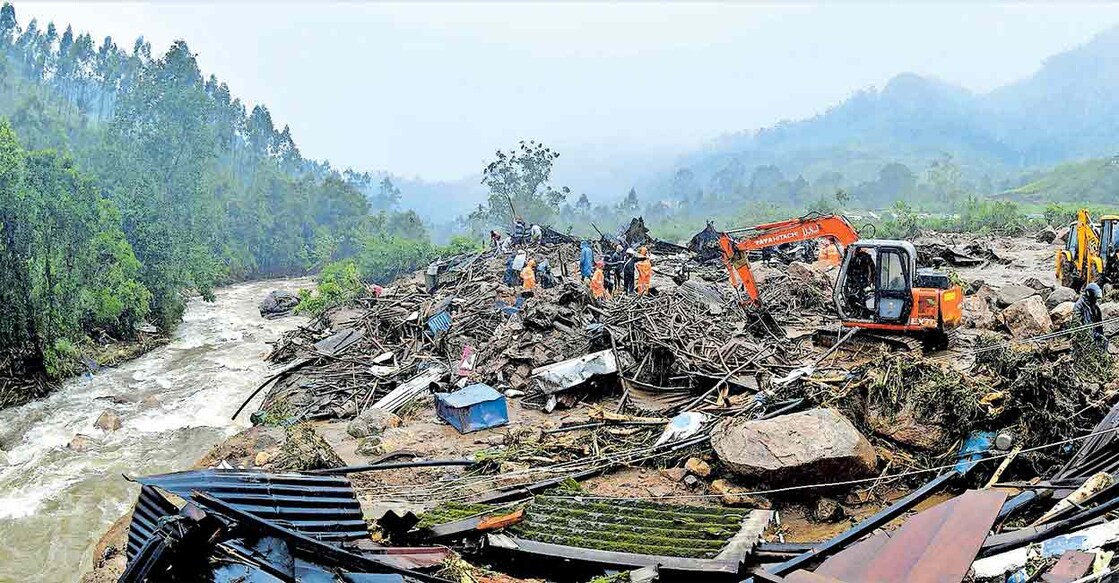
x=129 y=181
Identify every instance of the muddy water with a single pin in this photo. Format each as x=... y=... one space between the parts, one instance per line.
x=55 y=502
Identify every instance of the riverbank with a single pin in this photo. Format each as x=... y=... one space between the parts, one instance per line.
x=173 y=402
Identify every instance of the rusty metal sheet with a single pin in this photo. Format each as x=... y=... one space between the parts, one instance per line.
x=1071 y=566
x=849 y=563
x=937 y=545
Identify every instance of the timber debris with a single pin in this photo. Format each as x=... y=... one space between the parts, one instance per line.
x=678 y=433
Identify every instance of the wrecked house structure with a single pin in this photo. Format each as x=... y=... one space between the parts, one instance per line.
x=468 y=432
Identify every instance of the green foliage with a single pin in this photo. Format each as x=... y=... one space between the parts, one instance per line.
x=518 y=184
x=338 y=283
x=153 y=183
x=61 y=358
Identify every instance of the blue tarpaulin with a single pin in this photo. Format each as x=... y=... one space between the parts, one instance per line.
x=473 y=408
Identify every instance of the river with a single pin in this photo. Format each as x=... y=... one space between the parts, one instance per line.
x=55 y=502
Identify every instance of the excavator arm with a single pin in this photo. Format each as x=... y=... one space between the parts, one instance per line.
x=736 y=249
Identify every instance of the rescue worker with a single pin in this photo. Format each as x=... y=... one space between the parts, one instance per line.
x=586 y=260
x=495 y=239
x=830 y=254
x=537 y=233
x=628 y=269
x=1088 y=306
x=860 y=276
x=644 y=267
x=614 y=263
x=528 y=276
x=544 y=272
x=506 y=244
x=598 y=286
x=510 y=278
x=520 y=231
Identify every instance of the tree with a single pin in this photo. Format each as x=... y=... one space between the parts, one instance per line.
x=944 y=180
x=518 y=183
x=388 y=196
x=583 y=205
x=630 y=204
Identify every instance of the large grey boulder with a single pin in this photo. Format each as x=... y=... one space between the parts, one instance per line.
x=372 y=422
x=1047 y=235
x=1110 y=310
x=1059 y=296
x=278 y=303
x=1027 y=318
x=978 y=312
x=1064 y=313
x=1010 y=294
x=796 y=448
x=1038 y=285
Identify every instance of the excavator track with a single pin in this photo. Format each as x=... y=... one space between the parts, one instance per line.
x=826 y=337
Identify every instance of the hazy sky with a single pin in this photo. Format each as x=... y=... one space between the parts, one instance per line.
x=432 y=89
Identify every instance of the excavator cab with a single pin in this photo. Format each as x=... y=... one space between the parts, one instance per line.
x=880 y=288
x=1109 y=249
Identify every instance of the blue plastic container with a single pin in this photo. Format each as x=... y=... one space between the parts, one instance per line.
x=473 y=408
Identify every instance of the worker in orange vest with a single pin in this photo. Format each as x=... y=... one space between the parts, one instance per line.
x=598 y=282
x=644 y=272
x=830 y=254
x=528 y=275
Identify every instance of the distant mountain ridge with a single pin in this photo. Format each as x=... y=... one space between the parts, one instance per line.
x=1068 y=110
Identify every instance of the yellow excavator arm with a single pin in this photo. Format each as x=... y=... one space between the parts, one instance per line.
x=1078 y=262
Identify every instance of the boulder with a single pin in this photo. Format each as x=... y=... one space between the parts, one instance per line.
x=81 y=443
x=1059 y=296
x=1110 y=310
x=1026 y=318
x=697 y=467
x=1062 y=235
x=1063 y=313
x=278 y=303
x=108 y=421
x=795 y=448
x=907 y=429
x=978 y=313
x=1010 y=294
x=1047 y=235
x=1039 y=286
x=372 y=421
x=149 y=402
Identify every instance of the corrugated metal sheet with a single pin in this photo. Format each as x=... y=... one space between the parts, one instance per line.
x=323 y=507
x=150 y=508
x=439 y=323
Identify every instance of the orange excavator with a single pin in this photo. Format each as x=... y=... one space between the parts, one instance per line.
x=879 y=288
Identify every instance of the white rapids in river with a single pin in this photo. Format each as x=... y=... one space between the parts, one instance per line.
x=55 y=503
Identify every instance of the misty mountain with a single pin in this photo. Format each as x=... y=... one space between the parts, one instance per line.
x=1067 y=110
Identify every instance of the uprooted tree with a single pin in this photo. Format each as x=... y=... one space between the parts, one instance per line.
x=518 y=182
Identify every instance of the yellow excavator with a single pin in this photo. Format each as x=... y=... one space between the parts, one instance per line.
x=1079 y=262
x=1109 y=249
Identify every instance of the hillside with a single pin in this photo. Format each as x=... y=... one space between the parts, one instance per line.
x=1090 y=181
x=1065 y=111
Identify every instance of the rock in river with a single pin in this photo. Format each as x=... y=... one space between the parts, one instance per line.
x=818 y=444
x=108 y=421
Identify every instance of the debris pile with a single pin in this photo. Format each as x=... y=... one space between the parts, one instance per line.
x=678 y=433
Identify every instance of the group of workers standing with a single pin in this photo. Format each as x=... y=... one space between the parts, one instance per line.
x=620 y=271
